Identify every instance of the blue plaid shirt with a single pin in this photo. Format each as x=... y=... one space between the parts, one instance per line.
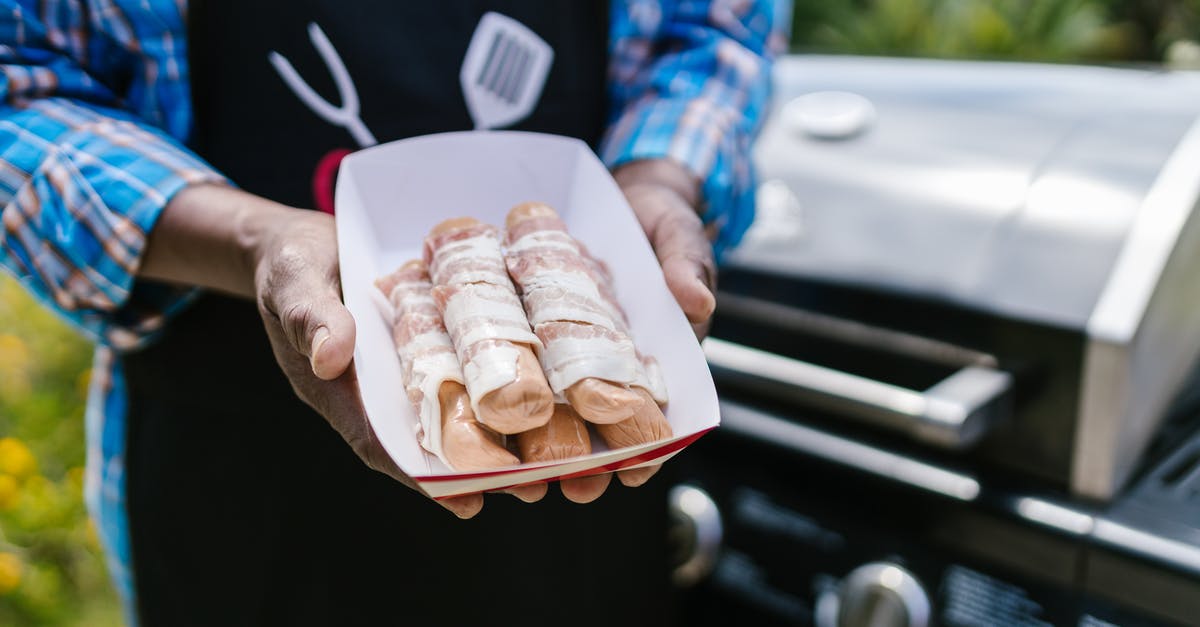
x=95 y=112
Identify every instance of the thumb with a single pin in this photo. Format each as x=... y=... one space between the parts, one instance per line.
x=332 y=343
x=315 y=322
x=687 y=262
x=677 y=235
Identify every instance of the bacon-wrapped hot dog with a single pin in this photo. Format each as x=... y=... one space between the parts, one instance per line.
x=589 y=360
x=565 y=284
x=433 y=378
x=648 y=423
x=487 y=325
x=650 y=377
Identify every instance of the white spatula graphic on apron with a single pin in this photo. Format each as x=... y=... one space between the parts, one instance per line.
x=503 y=71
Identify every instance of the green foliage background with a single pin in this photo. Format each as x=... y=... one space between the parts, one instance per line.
x=1036 y=30
x=51 y=569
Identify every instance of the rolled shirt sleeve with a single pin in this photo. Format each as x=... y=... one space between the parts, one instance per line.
x=83 y=179
x=689 y=81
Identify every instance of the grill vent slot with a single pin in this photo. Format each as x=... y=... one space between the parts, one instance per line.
x=1179 y=478
x=1183 y=471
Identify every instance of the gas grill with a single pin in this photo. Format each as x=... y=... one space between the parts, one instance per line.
x=947 y=350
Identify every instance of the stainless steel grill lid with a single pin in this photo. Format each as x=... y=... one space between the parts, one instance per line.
x=1007 y=187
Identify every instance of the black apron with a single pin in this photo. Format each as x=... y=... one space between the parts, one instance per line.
x=245 y=506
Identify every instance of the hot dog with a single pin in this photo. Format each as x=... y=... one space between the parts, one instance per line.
x=589 y=360
x=487 y=326
x=648 y=424
x=433 y=379
x=467 y=444
x=565 y=436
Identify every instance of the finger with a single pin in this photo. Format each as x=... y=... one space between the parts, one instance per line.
x=585 y=489
x=531 y=493
x=685 y=253
x=688 y=282
x=465 y=506
x=634 y=477
x=312 y=316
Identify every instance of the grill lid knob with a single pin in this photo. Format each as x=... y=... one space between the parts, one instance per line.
x=879 y=594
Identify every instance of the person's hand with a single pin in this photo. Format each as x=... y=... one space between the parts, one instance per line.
x=665 y=196
x=286 y=259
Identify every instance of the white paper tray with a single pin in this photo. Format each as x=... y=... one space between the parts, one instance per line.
x=387 y=199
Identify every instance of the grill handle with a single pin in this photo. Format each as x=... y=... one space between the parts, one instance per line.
x=954 y=413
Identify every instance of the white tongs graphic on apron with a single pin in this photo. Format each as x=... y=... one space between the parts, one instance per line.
x=347 y=115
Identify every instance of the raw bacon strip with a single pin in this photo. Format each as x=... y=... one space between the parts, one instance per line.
x=484 y=328
x=488 y=327
x=464 y=250
x=578 y=351
x=433 y=379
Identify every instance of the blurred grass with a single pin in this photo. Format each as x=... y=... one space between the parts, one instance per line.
x=1032 y=30
x=51 y=569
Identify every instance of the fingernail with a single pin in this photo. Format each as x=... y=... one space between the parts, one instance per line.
x=319 y=338
x=710 y=299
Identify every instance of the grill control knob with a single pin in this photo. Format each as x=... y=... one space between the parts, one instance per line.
x=879 y=594
x=696 y=534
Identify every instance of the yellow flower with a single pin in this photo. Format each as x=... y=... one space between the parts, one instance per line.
x=10 y=491
x=16 y=459
x=13 y=352
x=75 y=477
x=10 y=572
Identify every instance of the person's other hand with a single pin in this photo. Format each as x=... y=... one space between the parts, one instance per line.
x=664 y=196
x=221 y=238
